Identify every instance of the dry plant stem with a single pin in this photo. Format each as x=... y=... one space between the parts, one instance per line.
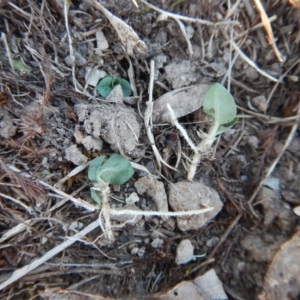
x=280 y=80
x=8 y=53
x=15 y=230
x=183 y=30
x=160 y=213
x=66 y=8
x=19 y=273
x=189 y=19
x=105 y=190
x=183 y=132
x=203 y=147
x=28 y=209
x=148 y=121
x=275 y=162
x=76 y=201
x=270 y=120
x=251 y=13
x=71 y=174
x=251 y=63
x=268 y=28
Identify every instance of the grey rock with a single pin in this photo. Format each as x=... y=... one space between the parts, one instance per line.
x=184 y=252
x=79 y=60
x=74 y=155
x=187 y=195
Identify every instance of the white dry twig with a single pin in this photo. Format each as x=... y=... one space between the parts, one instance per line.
x=19 y=273
x=148 y=121
x=76 y=201
x=276 y=160
x=189 y=19
x=27 y=208
x=74 y=172
x=8 y=53
x=183 y=132
x=251 y=63
x=268 y=28
x=160 y=213
x=71 y=52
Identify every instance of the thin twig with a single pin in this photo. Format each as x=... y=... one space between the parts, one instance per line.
x=189 y=19
x=160 y=213
x=8 y=53
x=19 y=273
x=183 y=132
x=251 y=63
x=148 y=121
x=28 y=209
x=76 y=201
x=268 y=28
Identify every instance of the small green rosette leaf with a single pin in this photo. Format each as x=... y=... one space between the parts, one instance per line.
x=220 y=105
x=126 y=87
x=227 y=126
x=116 y=170
x=96 y=197
x=107 y=84
x=94 y=169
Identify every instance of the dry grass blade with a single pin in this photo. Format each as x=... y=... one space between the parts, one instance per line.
x=268 y=28
x=28 y=268
x=251 y=63
x=189 y=19
x=29 y=186
x=148 y=121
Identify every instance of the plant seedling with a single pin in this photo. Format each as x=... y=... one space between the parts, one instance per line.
x=107 y=84
x=220 y=105
x=116 y=170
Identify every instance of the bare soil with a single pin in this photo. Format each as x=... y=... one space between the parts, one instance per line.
x=52 y=121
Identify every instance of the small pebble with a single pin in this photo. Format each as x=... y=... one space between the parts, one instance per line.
x=184 y=252
x=212 y=242
x=157 y=243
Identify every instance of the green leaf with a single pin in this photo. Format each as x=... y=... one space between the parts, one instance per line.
x=227 y=126
x=94 y=169
x=104 y=87
x=96 y=197
x=107 y=84
x=126 y=87
x=20 y=66
x=116 y=170
x=219 y=104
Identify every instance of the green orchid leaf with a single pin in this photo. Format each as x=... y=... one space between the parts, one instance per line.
x=116 y=170
x=126 y=87
x=96 y=197
x=107 y=84
x=20 y=66
x=94 y=169
x=227 y=126
x=220 y=105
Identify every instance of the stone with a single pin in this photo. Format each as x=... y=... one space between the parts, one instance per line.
x=188 y=196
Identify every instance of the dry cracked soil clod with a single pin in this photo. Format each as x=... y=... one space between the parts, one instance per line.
x=187 y=195
x=116 y=124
